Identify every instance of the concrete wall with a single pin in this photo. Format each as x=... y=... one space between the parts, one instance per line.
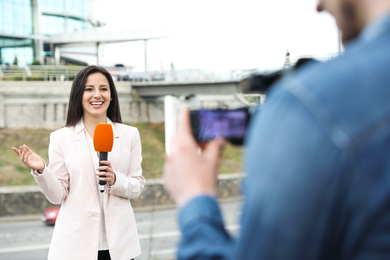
x=28 y=200
x=44 y=104
x=29 y=104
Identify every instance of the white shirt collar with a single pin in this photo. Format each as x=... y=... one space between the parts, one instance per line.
x=80 y=126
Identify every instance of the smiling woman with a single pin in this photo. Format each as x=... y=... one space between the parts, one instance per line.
x=96 y=99
x=93 y=83
x=72 y=176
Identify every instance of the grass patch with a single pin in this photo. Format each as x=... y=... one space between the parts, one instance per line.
x=20 y=168
x=13 y=172
x=153 y=148
x=231 y=161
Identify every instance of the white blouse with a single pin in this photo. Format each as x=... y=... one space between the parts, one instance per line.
x=95 y=159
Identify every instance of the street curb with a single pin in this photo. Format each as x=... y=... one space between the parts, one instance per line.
x=29 y=201
x=37 y=217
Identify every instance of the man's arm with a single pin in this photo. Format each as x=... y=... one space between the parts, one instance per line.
x=203 y=233
x=190 y=176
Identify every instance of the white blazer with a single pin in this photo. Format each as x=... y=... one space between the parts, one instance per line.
x=70 y=180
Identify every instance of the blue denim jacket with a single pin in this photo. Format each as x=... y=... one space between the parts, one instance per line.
x=318 y=166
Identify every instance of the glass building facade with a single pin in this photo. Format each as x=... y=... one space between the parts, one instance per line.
x=23 y=21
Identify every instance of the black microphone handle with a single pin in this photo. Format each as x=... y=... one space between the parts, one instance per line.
x=102 y=157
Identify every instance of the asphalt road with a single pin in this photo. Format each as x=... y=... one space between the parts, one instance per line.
x=159 y=234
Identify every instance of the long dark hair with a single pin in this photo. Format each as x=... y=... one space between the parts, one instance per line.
x=75 y=109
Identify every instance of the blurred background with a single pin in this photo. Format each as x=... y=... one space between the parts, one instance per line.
x=153 y=49
x=218 y=35
x=154 y=35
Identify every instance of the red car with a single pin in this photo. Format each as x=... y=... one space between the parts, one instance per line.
x=49 y=215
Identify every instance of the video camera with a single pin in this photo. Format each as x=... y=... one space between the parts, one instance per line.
x=232 y=124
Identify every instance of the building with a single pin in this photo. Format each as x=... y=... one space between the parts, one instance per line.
x=26 y=24
x=56 y=32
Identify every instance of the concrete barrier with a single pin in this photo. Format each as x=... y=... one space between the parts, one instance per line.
x=29 y=104
x=28 y=200
x=44 y=104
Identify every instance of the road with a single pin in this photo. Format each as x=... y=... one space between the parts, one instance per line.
x=158 y=231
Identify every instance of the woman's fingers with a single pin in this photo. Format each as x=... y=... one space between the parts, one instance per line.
x=106 y=165
x=22 y=152
x=29 y=158
x=16 y=150
x=26 y=155
x=27 y=152
x=109 y=175
x=28 y=149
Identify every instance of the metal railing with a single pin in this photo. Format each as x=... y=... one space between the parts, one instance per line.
x=38 y=73
x=67 y=73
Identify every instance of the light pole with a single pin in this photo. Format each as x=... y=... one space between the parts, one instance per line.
x=146 y=54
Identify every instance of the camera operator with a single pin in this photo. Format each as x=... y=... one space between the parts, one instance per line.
x=317 y=159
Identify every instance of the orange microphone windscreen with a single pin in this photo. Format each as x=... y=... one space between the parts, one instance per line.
x=103 y=138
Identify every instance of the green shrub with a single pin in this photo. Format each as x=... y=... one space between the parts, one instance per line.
x=36 y=62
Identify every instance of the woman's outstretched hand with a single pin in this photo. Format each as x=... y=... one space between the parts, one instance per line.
x=29 y=158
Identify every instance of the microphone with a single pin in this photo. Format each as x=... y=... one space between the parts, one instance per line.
x=103 y=139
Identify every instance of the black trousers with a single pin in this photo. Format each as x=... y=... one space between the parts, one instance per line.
x=105 y=255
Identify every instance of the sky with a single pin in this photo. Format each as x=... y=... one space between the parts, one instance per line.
x=217 y=35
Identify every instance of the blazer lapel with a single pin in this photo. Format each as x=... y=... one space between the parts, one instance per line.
x=86 y=165
x=114 y=155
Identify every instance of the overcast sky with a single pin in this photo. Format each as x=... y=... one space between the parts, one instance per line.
x=217 y=35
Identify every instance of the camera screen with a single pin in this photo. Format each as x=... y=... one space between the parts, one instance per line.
x=229 y=124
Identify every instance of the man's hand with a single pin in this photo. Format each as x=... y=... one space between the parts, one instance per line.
x=29 y=158
x=187 y=172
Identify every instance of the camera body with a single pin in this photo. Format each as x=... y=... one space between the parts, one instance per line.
x=230 y=124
